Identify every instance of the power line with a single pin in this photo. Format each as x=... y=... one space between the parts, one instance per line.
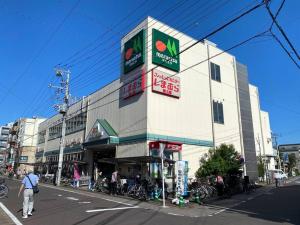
x=284 y=48
x=202 y=19
x=277 y=13
x=201 y=40
x=111 y=63
x=205 y=60
x=110 y=102
x=42 y=48
x=282 y=31
x=41 y=94
x=210 y=34
x=104 y=56
x=70 y=60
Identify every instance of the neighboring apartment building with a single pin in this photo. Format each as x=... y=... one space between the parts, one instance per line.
x=262 y=130
x=160 y=98
x=23 y=141
x=4 y=132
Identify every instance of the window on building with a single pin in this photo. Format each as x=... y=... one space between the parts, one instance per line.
x=218 y=112
x=215 y=72
x=41 y=137
x=76 y=123
x=55 y=131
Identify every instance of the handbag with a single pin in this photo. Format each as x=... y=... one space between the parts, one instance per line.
x=35 y=188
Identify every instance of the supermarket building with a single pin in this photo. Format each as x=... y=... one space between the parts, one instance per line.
x=185 y=101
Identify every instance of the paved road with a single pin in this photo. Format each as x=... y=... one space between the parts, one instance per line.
x=276 y=206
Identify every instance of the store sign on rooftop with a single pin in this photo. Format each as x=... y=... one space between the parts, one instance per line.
x=165 y=50
x=134 y=52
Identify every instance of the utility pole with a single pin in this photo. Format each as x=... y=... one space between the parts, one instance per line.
x=274 y=137
x=62 y=108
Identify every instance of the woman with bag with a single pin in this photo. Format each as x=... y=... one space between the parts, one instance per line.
x=29 y=183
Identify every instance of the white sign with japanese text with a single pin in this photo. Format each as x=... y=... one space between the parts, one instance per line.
x=165 y=84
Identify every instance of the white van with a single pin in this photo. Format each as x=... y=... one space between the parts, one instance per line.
x=278 y=174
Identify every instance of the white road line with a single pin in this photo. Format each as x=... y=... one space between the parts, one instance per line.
x=84 y=202
x=72 y=198
x=222 y=210
x=6 y=210
x=86 y=194
x=175 y=214
x=111 y=209
x=59 y=195
x=110 y=200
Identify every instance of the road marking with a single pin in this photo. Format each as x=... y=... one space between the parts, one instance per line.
x=59 y=195
x=175 y=214
x=222 y=210
x=84 y=202
x=13 y=218
x=72 y=198
x=110 y=200
x=111 y=209
x=85 y=194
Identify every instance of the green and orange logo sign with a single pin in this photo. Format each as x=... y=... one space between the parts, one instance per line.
x=134 y=51
x=165 y=50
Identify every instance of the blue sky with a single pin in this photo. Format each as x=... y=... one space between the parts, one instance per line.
x=38 y=35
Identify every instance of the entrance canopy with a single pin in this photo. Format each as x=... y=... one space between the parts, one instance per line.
x=101 y=133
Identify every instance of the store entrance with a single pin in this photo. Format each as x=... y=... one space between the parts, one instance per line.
x=105 y=167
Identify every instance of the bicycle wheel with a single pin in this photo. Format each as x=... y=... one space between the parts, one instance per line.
x=3 y=191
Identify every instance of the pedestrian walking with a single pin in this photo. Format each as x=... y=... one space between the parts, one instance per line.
x=220 y=184
x=28 y=182
x=113 y=182
x=76 y=176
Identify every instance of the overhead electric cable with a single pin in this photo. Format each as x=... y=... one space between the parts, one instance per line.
x=284 y=48
x=282 y=31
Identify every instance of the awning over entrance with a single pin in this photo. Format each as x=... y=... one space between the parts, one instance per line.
x=101 y=133
x=138 y=159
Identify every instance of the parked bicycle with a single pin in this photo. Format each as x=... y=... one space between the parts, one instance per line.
x=101 y=185
x=3 y=189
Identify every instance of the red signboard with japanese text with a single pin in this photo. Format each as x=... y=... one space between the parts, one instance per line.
x=165 y=84
x=170 y=146
x=134 y=86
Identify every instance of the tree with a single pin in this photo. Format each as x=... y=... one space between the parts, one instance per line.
x=223 y=160
x=260 y=167
x=292 y=162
